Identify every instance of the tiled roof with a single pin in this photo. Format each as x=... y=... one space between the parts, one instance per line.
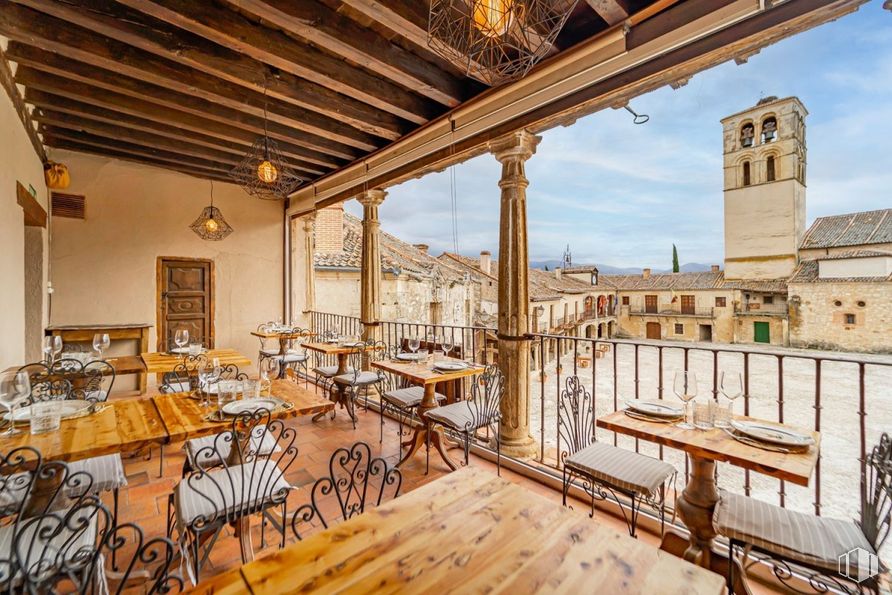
x=582 y=269
x=852 y=229
x=854 y=254
x=807 y=272
x=692 y=281
x=397 y=256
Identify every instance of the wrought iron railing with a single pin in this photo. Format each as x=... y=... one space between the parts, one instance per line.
x=843 y=396
x=673 y=311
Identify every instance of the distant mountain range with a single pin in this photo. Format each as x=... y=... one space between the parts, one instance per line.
x=606 y=269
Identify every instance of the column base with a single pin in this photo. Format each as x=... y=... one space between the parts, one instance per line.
x=520 y=448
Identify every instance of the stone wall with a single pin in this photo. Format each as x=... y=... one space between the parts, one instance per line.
x=820 y=311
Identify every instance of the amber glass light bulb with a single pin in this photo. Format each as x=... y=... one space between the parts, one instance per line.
x=267 y=172
x=493 y=17
x=211 y=225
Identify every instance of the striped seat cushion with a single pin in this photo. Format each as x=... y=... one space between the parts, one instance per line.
x=813 y=540
x=210 y=451
x=329 y=371
x=406 y=398
x=107 y=473
x=459 y=416
x=620 y=468
x=209 y=497
x=364 y=378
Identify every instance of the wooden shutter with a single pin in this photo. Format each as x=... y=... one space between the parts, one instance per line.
x=72 y=206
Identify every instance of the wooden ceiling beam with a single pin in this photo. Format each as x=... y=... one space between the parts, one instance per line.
x=67 y=145
x=8 y=83
x=316 y=24
x=234 y=46
x=60 y=66
x=612 y=11
x=407 y=19
x=102 y=142
x=145 y=109
x=93 y=113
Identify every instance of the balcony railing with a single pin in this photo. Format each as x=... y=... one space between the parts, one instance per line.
x=840 y=395
x=673 y=311
x=755 y=309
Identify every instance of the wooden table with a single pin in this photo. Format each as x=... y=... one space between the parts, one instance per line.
x=83 y=333
x=469 y=532
x=422 y=373
x=284 y=337
x=343 y=353
x=697 y=502
x=159 y=363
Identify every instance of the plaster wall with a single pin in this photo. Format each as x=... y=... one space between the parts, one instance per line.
x=104 y=267
x=18 y=163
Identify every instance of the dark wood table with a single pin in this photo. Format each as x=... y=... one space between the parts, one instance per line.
x=469 y=532
x=696 y=503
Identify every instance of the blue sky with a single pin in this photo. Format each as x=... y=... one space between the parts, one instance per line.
x=622 y=194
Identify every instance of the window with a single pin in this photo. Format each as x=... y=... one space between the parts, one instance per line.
x=688 y=304
x=837 y=303
x=679 y=329
x=770 y=169
x=767 y=299
x=769 y=129
x=746 y=173
x=720 y=302
x=747 y=132
x=850 y=319
x=650 y=304
x=625 y=300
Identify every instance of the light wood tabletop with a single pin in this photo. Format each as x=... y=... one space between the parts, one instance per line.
x=490 y=536
x=158 y=362
x=424 y=373
x=333 y=348
x=122 y=425
x=717 y=445
x=185 y=418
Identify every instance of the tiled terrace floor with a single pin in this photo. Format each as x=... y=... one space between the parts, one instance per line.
x=144 y=501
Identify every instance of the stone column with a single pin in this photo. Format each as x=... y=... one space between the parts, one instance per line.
x=512 y=151
x=310 y=270
x=370 y=273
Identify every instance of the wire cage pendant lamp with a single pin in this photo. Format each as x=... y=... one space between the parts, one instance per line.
x=496 y=41
x=263 y=172
x=211 y=225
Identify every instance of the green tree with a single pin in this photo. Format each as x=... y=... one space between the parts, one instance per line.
x=675 y=267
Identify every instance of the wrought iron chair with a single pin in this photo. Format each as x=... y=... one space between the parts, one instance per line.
x=295 y=355
x=607 y=470
x=401 y=401
x=359 y=380
x=816 y=548
x=49 y=543
x=356 y=480
x=466 y=418
x=184 y=376
x=246 y=483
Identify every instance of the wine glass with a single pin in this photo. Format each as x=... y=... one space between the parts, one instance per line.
x=181 y=337
x=448 y=343
x=14 y=388
x=685 y=388
x=274 y=368
x=101 y=342
x=414 y=343
x=48 y=350
x=57 y=346
x=731 y=386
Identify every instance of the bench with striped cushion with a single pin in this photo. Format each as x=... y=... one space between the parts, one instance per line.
x=622 y=469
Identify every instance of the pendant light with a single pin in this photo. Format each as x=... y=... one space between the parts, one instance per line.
x=496 y=41
x=263 y=172
x=211 y=225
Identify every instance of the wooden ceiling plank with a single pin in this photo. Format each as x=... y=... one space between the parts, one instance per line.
x=612 y=11
x=240 y=45
x=60 y=66
x=316 y=23
x=8 y=83
x=83 y=148
x=134 y=149
x=68 y=106
x=144 y=109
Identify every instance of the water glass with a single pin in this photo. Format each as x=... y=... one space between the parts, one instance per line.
x=685 y=388
x=721 y=413
x=703 y=416
x=227 y=392
x=194 y=348
x=45 y=417
x=250 y=389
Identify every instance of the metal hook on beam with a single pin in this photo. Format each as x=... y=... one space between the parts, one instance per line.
x=639 y=118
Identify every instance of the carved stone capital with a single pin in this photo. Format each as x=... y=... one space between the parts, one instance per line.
x=309 y=222
x=517 y=146
x=372 y=198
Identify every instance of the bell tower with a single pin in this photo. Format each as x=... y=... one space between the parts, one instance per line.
x=764 y=161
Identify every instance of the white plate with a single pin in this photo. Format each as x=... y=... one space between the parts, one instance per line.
x=772 y=434
x=249 y=405
x=655 y=408
x=450 y=366
x=354 y=344
x=66 y=409
x=411 y=357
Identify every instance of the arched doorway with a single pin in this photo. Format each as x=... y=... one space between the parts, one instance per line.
x=601 y=331
x=589 y=331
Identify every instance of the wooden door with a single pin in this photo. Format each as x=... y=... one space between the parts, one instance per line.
x=654 y=331
x=650 y=304
x=185 y=300
x=761 y=332
x=688 y=304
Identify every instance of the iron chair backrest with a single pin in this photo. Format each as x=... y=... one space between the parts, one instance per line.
x=876 y=506
x=356 y=480
x=361 y=359
x=242 y=469
x=576 y=417
x=486 y=398
x=59 y=542
x=184 y=374
x=91 y=381
x=230 y=372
